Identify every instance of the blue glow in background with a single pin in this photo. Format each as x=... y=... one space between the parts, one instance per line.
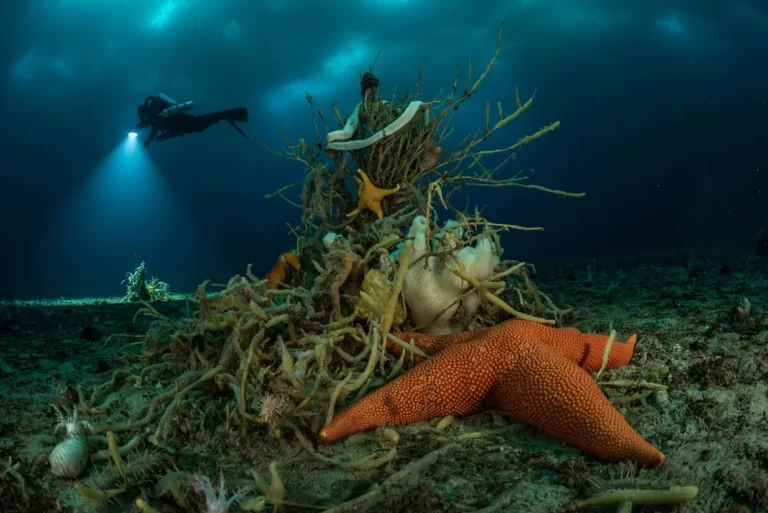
x=663 y=108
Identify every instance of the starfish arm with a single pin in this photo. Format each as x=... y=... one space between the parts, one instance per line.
x=584 y=349
x=431 y=344
x=375 y=207
x=366 y=180
x=356 y=211
x=448 y=384
x=548 y=391
x=383 y=193
x=620 y=355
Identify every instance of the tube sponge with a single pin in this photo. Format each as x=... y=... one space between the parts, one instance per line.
x=339 y=140
x=350 y=127
x=432 y=288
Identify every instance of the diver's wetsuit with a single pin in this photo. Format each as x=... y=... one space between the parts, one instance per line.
x=164 y=128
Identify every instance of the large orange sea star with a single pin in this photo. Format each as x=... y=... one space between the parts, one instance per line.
x=534 y=373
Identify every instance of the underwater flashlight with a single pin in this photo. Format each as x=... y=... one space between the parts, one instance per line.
x=132 y=134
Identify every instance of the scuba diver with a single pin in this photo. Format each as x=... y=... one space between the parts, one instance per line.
x=168 y=119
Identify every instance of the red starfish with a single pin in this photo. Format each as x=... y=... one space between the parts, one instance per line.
x=525 y=369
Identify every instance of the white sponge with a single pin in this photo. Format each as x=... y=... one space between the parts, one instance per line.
x=430 y=288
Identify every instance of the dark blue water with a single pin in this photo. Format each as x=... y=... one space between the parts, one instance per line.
x=663 y=108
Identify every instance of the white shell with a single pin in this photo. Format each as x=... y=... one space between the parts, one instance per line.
x=70 y=457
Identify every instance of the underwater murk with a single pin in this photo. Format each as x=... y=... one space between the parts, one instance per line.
x=395 y=360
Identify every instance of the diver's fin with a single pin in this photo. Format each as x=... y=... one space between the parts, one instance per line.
x=237 y=128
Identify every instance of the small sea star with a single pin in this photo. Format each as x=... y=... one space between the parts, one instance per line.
x=370 y=196
x=529 y=371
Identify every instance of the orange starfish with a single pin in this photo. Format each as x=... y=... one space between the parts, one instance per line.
x=282 y=269
x=370 y=196
x=584 y=349
x=529 y=371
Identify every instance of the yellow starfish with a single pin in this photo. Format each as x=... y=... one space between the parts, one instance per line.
x=370 y=196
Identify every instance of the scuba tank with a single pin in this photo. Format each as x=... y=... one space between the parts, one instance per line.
x=166 y=99
x=176 y=109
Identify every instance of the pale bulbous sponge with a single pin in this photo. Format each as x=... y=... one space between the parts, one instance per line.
x=432 y=288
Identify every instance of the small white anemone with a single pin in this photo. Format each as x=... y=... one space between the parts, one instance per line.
x=71 y=424
x=216 y=500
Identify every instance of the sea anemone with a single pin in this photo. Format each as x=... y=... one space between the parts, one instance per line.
x=70 y=457
x=216 y=501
